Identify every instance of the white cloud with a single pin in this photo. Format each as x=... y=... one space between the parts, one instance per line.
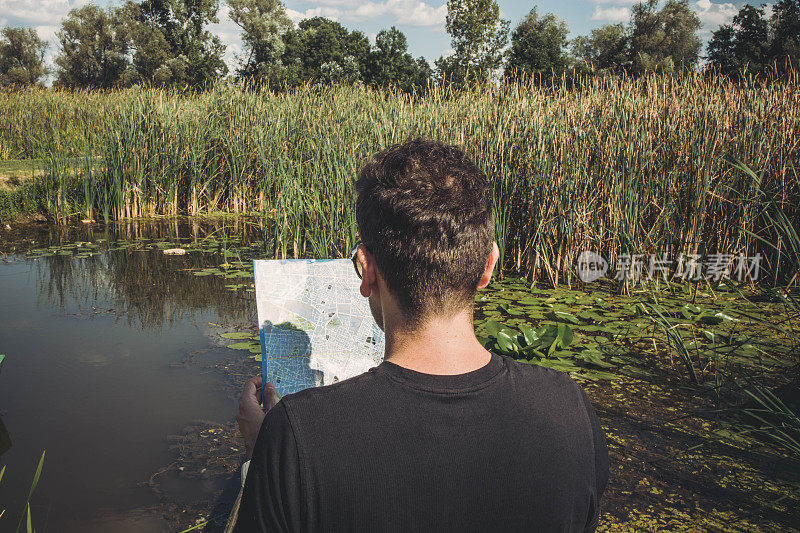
x=338 y=3
x=407 y=12
x=367 y=10
x=327 y=12
x=611 y=14
x=416 y=13
x=615 y=2
x=47 y=32
x=713 y=15
x=230 y=35
x=27 y=13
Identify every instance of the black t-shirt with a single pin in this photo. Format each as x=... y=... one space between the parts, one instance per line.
x=507 y=447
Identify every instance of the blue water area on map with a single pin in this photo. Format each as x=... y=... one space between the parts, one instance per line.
x=286 y=354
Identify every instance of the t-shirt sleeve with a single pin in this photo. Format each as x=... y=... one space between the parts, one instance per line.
x=272 y=496
x=600 y=463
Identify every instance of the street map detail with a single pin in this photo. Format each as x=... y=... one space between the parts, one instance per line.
x=315 y=327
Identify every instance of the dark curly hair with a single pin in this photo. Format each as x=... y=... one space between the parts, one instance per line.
x=424 y=210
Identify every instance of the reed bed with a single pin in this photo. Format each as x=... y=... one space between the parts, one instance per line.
x=616 y=165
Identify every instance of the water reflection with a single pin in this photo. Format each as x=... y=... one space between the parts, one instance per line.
x=95 y=369
x=145 y=287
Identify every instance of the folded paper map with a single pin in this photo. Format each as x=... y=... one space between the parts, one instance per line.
x=315 y=327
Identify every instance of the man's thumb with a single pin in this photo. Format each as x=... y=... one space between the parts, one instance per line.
x=270 y=396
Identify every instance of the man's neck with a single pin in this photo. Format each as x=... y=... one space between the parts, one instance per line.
x=441 y=345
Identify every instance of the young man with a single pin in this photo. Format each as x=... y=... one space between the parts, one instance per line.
x=443 y=435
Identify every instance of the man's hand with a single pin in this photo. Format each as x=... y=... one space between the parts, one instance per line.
x=251 y=414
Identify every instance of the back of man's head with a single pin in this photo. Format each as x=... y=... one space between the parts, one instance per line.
x=424 y=211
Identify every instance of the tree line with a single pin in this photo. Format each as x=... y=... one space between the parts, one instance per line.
x=168 y=43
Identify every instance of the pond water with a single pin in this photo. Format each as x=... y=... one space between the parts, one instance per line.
x=116 y=365
x=109 y=349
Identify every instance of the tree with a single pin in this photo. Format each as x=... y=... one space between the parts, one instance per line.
x=607 y=48
x=149 y=48
x=389 y=63
x=785 y=44
x=93 y=49
x=347 y=71
x=478 y=37
x=171 y=44
x=263 y=23
x=743 y=44
x=721 y=49
x=665 y=39
x=757 y=44
x=751 y=43
x=538 y=46
x=21 y=57
x=322 y=50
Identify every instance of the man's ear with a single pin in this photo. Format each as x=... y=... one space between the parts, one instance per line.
x=494 y=255
x=369 y=271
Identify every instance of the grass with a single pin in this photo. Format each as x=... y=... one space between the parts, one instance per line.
x=21 y=201
x=618 y=165
x=26 y=512
x=14 y=172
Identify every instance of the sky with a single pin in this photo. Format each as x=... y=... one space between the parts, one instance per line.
x=421 y=21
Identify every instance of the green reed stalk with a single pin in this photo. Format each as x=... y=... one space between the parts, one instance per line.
x=614 y=164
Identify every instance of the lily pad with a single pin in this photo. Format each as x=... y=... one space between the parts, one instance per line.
x=245 y=346
x=563 y=316
x=237 y=335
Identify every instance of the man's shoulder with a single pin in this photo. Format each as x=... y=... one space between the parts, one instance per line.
x=345 y=391
x=539 y=375
x=546 y=390
x=529 y=380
